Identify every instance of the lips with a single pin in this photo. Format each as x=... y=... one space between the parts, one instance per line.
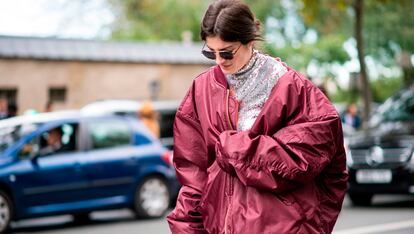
x=226 y=66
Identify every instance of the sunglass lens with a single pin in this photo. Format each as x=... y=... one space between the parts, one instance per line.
x=209 y=54
x=226 y=55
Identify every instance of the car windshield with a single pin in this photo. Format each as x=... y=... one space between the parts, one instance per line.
x=399 y=107
x=11 y=134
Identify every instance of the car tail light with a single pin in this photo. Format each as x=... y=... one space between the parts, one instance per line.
x=167 y=156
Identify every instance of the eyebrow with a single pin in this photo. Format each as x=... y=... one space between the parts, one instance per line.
x=225 y=48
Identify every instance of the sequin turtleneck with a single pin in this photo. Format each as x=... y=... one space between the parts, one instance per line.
x=252 y=85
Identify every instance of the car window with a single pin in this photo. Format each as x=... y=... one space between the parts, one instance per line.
x=399 y=107
x=53 y=141
x=10 y=135
x=109 y=133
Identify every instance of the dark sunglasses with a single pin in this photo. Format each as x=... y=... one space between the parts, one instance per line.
x=224 y=54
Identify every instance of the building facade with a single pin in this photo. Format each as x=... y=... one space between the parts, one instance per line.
x=72 y=73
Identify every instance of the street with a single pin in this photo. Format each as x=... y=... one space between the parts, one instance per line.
x=389 y=214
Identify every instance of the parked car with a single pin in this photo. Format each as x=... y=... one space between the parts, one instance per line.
x=104 y=162
x=380 y=159
x=166 y=109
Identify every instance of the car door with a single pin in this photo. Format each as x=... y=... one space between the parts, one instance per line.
x=51 y=182
x=110 y=165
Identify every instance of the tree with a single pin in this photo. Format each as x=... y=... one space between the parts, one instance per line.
x=156 y=20
x=383 y=29
x=390 y=36
x=335 y=14
x=358 y=7
x=168 y=19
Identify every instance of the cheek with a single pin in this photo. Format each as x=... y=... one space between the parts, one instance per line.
x=237 y=64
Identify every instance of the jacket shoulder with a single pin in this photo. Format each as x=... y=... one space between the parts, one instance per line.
x=187 y=106
x=297 y=86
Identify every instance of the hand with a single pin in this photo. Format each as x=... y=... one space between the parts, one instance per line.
x=222 y=159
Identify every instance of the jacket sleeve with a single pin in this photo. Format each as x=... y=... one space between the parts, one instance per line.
x=295 y=154
x=190 y=163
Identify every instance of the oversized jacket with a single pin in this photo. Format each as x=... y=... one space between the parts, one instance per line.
x=287 y=174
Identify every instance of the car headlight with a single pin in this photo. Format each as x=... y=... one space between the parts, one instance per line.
x=348 y=153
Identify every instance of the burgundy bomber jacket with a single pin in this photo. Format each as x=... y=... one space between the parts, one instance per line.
x=287 y=174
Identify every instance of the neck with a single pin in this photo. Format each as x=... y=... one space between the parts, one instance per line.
x=247 y=60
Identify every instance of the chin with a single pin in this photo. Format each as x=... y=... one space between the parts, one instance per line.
x=228 y=70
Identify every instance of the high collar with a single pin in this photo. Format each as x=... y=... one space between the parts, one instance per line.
x=219 y=76
x=241 y=73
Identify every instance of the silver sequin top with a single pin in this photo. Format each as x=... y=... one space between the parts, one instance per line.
x=252 y=85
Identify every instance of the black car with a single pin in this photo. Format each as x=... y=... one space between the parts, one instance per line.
x=380 y=159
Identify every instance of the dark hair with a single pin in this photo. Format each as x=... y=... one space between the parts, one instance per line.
x=231 y=20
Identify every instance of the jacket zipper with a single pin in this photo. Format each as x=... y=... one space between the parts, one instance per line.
x=229 y=124
x=229 y=177
x=231 y=127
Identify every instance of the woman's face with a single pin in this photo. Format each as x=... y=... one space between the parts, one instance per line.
x=241 y=53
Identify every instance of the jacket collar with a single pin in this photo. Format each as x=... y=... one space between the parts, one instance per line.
x=219 y=75
x=221 y=78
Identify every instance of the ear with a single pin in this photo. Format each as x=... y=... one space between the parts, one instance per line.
x=250 y=45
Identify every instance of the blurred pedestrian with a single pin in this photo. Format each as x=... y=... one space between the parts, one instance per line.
x=258 y=148
x=351 y=116
x=49 y=106
x=4 y=113
x=149 y=117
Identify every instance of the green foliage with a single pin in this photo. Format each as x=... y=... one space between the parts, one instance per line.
x=327 y=50
x=156 y=20
x=389 y=28
x=266 y=8
x=166 y=19
x=327 y=16
x=344 y=96
x=384 y=87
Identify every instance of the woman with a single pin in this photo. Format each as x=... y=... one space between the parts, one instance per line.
x=257 y=147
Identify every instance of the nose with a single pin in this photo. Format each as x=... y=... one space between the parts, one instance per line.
x=219 y=59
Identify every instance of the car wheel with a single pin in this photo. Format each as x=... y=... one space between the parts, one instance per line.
x=152 y=198
x=6 y=211
x=361 y=199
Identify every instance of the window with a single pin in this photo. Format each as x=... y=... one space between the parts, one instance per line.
x=10 y=94
x=60 y=139
x=8 y=107
x=57 y=94
x=109 y=133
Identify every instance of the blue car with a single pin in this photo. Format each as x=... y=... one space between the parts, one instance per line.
x=68 y=163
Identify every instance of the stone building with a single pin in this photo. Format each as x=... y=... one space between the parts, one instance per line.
x=71 y=73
